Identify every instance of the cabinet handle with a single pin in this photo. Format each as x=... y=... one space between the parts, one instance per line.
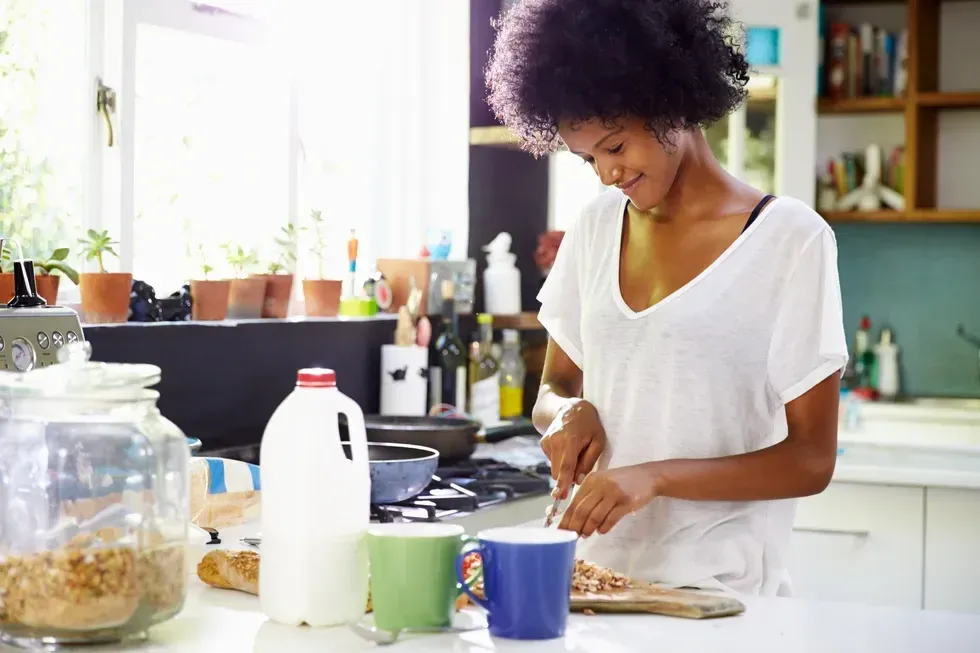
x=833 y=531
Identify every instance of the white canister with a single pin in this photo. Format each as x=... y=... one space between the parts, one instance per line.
x=501 y=279
x=404 y=380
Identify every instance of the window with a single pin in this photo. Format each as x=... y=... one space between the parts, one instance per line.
x=211 y=155
x=44 y=124
x=232 y=119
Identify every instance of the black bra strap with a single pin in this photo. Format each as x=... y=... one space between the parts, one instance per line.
x=756 y=211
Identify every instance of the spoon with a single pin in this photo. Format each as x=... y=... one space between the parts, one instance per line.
x=386 y=638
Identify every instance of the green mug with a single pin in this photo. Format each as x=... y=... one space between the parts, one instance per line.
x=413 y=574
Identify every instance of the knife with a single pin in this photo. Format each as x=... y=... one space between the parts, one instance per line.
x=549 y=517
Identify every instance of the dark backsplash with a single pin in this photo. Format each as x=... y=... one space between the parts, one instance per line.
x=222 y=383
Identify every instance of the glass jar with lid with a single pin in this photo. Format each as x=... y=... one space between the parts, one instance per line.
x=94 y=503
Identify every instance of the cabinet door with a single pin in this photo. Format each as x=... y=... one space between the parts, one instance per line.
x=860 y=543
x=771 y=141
x=952 y=545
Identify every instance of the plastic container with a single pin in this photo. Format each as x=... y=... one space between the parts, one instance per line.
x=886 y=353
x=94 y=505
x=501 y=279
x=315 y=507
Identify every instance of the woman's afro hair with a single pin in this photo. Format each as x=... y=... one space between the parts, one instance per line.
x=671 y=63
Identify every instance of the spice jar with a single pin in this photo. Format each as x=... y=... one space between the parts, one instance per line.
x=94 y=503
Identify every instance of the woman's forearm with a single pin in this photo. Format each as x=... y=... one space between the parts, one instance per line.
x=551 y=401
x=783 y=471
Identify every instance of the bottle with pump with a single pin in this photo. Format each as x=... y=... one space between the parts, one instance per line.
x=501 y=279
x=886 y=352
x=512 y=373
x=315 y=507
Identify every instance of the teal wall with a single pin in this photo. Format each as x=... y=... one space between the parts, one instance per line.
x=921 y=281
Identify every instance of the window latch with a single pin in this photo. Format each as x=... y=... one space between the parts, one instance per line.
x=105 y=104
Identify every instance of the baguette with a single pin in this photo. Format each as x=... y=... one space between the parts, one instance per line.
x=239 y=570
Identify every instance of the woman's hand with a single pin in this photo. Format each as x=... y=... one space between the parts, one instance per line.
x=573 y=443
x=607 y=496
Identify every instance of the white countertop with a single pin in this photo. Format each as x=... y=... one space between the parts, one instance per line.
x=224 y=621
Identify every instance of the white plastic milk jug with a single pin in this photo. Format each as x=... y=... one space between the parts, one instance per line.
x=315 y=507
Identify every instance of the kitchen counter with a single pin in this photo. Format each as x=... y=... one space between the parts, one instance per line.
x=218 y=621
x=908 y=465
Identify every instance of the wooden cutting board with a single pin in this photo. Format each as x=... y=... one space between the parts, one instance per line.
x=650 y=599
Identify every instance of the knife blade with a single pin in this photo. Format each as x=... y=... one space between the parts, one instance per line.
x=549 y=517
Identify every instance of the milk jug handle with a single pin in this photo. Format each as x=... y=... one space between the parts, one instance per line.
x=357 y=434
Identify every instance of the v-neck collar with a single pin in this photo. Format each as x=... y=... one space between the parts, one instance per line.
x=617 y=290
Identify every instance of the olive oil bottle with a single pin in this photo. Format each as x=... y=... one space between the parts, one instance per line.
x=484 y=376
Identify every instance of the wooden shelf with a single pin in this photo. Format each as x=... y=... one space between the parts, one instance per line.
x=861 y=105
x=521 y=322
x=952 y=100
x=494 y=137
x=914 y=216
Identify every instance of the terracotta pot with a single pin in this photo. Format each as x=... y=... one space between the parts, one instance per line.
x=209 y=299
x=322 y=297
x=105 y=296
x=47 y=287
x=278 y=289
x=246 y=298
x=6 y=287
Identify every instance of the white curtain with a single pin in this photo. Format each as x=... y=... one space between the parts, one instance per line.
x=384 y=122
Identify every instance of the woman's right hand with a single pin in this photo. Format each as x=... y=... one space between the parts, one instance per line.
x=573 y=443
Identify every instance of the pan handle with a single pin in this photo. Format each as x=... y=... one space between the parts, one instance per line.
x=495 y=434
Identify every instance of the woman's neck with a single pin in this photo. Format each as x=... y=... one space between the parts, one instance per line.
x=702 y=188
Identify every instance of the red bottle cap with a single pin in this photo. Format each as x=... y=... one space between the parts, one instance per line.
x=316 y=377
x=866 y=323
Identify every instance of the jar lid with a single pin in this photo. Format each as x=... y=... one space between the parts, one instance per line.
x=316 y=377
x=76 y=375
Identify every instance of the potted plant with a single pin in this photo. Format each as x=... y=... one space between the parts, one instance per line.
x=209 y=297
x=44 y=268
x=279 y=275
x=322 y=296
x=246 y=293
x=105 y=295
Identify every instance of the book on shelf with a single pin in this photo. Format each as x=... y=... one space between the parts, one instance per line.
x=846 y=172
x=862 y=61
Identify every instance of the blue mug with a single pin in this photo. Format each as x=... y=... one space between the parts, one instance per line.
x=527 y=580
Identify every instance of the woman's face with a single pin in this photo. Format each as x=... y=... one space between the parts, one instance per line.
x=628 y=156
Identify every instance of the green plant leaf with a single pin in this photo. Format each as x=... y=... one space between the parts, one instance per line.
x=62 y=267
x=59 y=254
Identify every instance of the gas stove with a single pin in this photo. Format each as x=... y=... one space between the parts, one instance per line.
x=467 y=487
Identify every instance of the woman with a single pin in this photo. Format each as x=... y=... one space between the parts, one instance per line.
x=691 y=382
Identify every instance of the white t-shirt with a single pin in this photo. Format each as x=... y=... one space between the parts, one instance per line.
x=704 y=373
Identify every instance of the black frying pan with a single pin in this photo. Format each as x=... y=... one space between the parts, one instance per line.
x=453 y=437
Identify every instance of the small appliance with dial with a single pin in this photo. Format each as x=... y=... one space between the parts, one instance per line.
x=31 y=332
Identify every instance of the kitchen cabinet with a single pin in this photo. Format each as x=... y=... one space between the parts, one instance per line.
x=861 y=543
x=952 y=573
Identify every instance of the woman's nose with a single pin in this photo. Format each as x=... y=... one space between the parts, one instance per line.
x=608 y=174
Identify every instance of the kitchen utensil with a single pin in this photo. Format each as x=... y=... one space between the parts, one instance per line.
x=96 y=533
x=387 y=638
x=31 y=333
x=404 y=379
x=549 y=516
x=527 y=578
x=453 y=437
x=398 y=471
x=651 y=599
x=417 y=595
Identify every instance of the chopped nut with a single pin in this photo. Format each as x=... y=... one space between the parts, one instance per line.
x=588 y=612
x=589 y=577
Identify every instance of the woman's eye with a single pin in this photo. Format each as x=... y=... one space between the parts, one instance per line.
x=617 y=149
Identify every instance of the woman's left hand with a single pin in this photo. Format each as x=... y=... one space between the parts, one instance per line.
x=606 y=497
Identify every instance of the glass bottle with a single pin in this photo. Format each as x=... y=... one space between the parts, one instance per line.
x=448 y=375
x=484 y=375
x=512 y=374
